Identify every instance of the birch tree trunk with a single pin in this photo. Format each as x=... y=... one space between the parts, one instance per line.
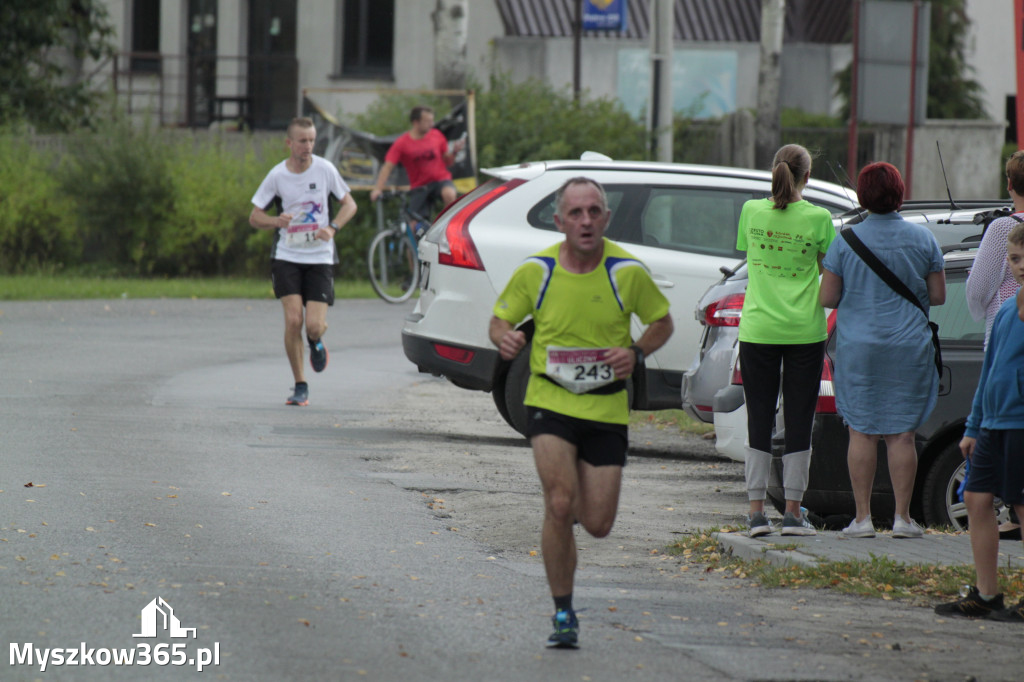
x=767 y=133
x=451 y=27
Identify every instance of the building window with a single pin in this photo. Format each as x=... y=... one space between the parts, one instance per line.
x=145 y=36
x=368 y=36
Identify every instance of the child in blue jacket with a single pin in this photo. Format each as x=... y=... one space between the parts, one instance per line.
x=994 y=443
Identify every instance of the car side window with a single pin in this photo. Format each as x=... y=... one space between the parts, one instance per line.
x=956 y=326
x=542 y=215
x=697 y=220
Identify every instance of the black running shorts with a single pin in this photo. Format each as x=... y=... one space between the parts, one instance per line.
x=314 y=281
x=597 y=443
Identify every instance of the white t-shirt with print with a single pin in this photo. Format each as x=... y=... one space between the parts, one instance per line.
x=304 y=196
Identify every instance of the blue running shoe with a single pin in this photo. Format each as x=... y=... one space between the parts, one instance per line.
x=567 y=628
x=318 y=355
x=300 y=396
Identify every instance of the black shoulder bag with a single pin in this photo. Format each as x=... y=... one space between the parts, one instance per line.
x=894 y=283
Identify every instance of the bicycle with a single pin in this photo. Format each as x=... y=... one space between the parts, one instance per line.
x=392 y=260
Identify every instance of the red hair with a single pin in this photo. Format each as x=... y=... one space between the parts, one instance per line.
x=880 y=187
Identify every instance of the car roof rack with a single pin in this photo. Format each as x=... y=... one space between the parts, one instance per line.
x=962 y=246
x=961 y=204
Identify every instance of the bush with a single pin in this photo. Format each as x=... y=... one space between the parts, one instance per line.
x=118 y=178
x=531 y=121
x=35 y=231
x=389 y=114
x=207 y=231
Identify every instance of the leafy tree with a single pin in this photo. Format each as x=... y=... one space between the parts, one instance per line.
x=952 y=93
x=42 y=44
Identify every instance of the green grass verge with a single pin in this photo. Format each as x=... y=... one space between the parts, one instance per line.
x=670 y=419
x=50 y=288
x=880 y=576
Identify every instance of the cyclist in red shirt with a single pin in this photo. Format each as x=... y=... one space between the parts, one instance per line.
x=423 y=153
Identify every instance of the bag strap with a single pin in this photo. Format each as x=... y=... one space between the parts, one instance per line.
x=880 y=269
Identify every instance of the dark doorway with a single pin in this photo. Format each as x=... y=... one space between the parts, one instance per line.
x=273 y=70
x=202 y=61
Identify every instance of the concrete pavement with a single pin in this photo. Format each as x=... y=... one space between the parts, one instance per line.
x=827 y=545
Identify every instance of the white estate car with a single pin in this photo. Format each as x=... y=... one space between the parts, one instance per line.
x=680 y=220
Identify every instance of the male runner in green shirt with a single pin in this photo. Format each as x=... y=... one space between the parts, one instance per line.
x=581 y=293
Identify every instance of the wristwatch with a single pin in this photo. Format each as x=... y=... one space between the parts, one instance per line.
x=638 y=352
x=337 y=228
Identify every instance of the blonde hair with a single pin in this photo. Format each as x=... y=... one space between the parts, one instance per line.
x=1016 y=236
x=790 y=165
x=303 y=122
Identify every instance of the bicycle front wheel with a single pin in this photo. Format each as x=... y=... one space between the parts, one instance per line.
x=393 y=266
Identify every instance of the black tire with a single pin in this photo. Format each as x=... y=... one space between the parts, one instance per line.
x=939 y=501
x=515 y=390
x=393 y=266
x=498 y=393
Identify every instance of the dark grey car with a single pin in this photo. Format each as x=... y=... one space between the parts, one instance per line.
x=940 y=469
x=712 y=393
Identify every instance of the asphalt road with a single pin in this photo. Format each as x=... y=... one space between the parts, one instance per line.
x=387 y=532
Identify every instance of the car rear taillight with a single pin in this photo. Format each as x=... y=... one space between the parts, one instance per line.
x=463 y=356
x=827 y=391
x=724 y=312
x=457 y=248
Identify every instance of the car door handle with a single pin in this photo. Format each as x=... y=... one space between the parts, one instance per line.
x=662 y=282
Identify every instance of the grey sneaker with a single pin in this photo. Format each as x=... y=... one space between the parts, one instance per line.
x=759 y=525
x=797 y=525
x=905 y=529
x=300 y=396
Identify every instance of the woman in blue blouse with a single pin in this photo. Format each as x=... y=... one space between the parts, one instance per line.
x=885 y=377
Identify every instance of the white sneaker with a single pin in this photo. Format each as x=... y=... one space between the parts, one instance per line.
x=905 y=529
x=859 y=529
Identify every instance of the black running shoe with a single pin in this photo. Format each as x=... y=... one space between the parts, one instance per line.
x=318 y=355
x=300 y=396
x=971 y=605
x=1011 y=614
x=567 y=628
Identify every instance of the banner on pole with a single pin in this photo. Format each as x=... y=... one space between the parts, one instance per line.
x=604 y=15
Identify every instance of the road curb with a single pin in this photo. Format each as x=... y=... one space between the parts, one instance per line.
x=743 y=547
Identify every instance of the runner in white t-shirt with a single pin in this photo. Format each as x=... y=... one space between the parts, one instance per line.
x=303 y=257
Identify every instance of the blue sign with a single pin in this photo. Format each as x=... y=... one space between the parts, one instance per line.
x=604 y=15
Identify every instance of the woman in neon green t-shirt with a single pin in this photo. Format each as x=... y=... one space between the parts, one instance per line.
x=782 y=332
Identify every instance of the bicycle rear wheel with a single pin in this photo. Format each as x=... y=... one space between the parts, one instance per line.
x=393 y=266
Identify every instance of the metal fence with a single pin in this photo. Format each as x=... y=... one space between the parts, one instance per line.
x=198 y=90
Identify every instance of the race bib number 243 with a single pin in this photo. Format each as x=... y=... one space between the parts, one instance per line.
x=579 y=369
